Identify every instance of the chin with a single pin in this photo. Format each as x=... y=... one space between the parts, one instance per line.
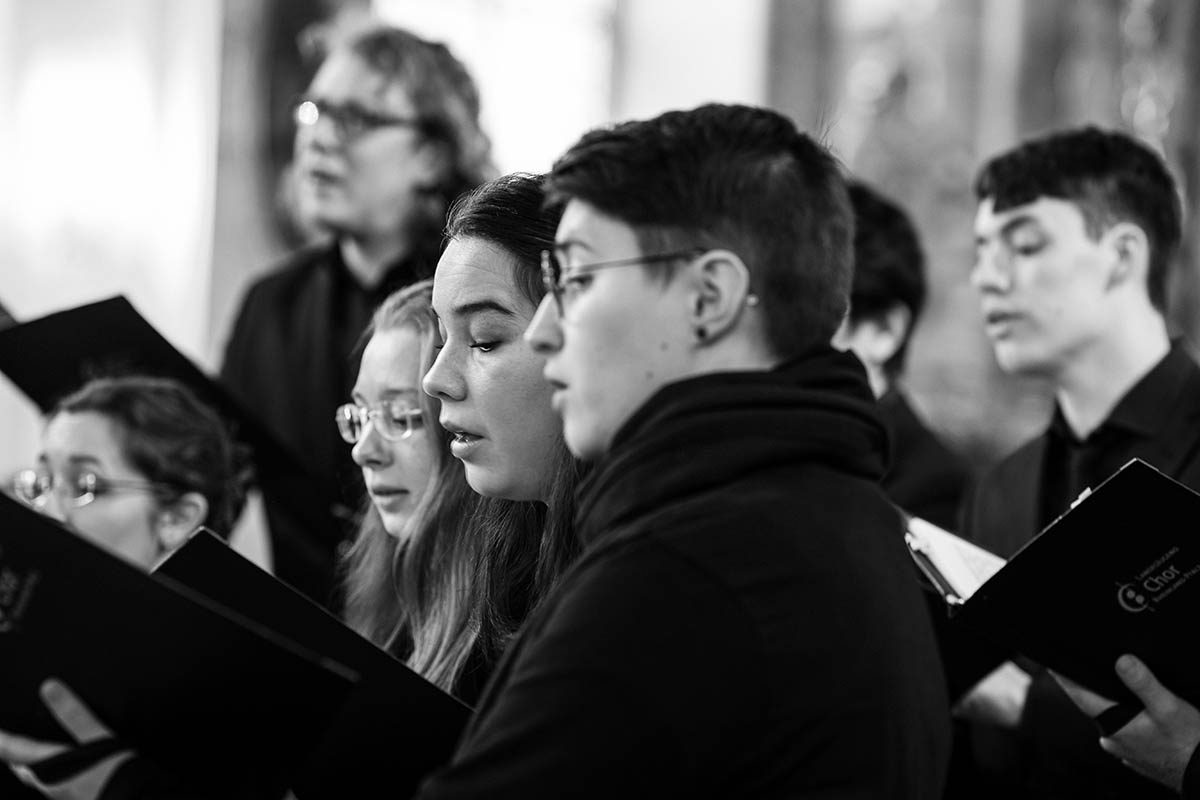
x=503 y=487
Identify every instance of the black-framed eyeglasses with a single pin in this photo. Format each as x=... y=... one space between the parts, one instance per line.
x=350 y=120
x=33 y=486
x=563 y=287
x=394 y=420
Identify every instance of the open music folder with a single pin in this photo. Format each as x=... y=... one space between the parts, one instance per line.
x=1118 y=572
x=53 y=355
x=204 y=691
x=395 y=728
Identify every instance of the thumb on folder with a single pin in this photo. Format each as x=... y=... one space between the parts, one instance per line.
x=61 y=771
x=1158 y=742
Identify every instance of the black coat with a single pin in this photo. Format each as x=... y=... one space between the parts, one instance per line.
x=744 y=621
x=1056 y=747
x=292 y=359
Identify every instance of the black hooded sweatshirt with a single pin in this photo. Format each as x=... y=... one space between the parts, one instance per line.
x=744 y=622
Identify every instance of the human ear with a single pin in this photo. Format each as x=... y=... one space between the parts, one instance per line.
x=876 y=338
x=719 y=289
x=177 y=521
x=1130 y=248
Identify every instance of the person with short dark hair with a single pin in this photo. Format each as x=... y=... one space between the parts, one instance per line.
x=136 y=464
x=744 y=621
x=925 y=477
x=1076 y=233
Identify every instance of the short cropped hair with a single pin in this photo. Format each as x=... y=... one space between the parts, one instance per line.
x=734 y=177
x=1110 y=176
x=889 y=264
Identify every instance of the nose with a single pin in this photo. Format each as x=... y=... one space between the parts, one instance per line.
x=992 y=270
x=544 y=333
x=323 y=135
x=444 y=379
x=371 y=450
x=52 y=506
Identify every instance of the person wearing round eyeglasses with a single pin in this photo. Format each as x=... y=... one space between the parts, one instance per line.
x=387 y=136
x=135 y=464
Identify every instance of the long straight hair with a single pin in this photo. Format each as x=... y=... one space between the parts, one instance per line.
x=418 y=593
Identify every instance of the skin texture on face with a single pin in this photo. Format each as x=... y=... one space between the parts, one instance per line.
x=367 y=186
x=395 y=473
x=123 y=521
x=486 y=376
x=624 y=337
x=1043 y=284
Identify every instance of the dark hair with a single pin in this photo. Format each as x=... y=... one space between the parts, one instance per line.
x=445 y=98
x=512 y=212
x=735 y=177
x=169 y=436
x=1110 y=176
x=889 y=264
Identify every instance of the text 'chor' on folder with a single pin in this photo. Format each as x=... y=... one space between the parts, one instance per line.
x=1118 y=572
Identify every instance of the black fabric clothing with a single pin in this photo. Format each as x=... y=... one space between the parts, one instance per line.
x=929 y=480
x=744 y=621
x=292 y=358
x=925 y=477
x=1191 y=777
x=1055 y=752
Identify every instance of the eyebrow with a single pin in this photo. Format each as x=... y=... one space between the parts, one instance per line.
x=483 y=307
x=1007 y=228
x=566 y=244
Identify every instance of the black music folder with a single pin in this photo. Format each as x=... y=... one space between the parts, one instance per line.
x=396 y=726
x=1119 y=572
x=51 y=356
x=201 y=690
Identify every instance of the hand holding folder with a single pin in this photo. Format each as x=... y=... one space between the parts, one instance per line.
x=1116 y=573
x=1159 y=742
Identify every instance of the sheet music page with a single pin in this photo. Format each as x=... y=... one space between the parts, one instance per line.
x=964 y=565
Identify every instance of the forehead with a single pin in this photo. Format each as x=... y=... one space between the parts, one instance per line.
x=343 y=77
x=587 y=229
x=392 y=359
x=85 y=433
x=1048 y=213
x=475 y=276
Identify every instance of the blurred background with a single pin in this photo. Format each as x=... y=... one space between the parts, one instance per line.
x=142 y=141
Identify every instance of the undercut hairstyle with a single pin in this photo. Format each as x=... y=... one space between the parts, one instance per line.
x=172 y=438
x=889 y=265
x=734 y=177
x=1109 y=176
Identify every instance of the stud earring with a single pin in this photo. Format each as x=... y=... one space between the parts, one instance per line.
x=701 y=333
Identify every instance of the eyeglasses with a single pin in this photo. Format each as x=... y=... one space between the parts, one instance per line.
x=350 y=121
x=564 y=287
x=34 y=487
x=393 y=420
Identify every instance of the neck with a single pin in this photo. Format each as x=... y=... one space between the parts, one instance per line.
x=368 y=258
x=1097 y=379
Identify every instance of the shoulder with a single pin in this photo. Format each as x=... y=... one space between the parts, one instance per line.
x=292 y=273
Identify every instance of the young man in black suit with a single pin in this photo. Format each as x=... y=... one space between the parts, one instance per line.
x=1075 y=237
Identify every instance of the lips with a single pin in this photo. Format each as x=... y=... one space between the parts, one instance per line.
x=462 y=441
x=386 y=493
